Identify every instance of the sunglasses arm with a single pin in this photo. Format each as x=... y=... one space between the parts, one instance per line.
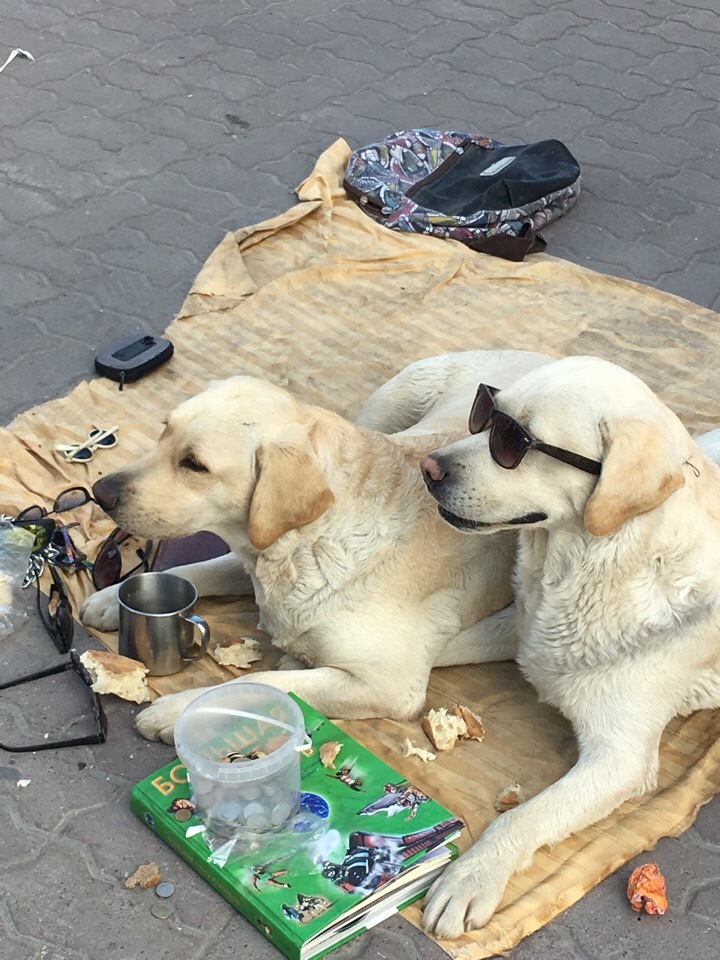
x=29 y=677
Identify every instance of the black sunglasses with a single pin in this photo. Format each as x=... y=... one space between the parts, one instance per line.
x=59 y=622
x=106 y=569
x=510 y=441
x=69 y=499
x=107 y=566
x=101 y=724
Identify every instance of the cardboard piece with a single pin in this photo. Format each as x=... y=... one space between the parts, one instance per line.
x=329 y=304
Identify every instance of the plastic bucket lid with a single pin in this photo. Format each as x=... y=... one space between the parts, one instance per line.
x=236 y=716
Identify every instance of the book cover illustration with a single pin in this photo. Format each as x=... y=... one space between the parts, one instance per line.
x=378 y=830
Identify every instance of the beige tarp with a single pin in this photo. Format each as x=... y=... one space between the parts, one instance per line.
x=326 y=302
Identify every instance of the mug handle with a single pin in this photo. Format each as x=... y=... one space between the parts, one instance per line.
x=204 y=629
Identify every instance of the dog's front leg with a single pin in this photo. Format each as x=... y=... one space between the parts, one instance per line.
x=491 y=639
x=334 y=692
x=219 y=577
x=223 y=576
x=614 y=765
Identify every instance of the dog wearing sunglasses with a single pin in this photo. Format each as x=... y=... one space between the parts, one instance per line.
x=355 y=575
x=617 y=584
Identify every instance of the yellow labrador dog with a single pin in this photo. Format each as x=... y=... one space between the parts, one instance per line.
x=617 y=620
x=355 y=575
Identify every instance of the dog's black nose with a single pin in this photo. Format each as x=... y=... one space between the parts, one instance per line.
x=106 y=491
x=433 y=469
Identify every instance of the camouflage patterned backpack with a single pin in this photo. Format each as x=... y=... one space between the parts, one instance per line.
x=492 y=197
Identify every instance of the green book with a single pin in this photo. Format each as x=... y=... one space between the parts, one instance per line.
x=383 y=843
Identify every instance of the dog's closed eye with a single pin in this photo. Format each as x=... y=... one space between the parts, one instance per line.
x=190 y=462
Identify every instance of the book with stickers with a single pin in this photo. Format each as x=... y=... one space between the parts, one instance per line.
x=374 y=843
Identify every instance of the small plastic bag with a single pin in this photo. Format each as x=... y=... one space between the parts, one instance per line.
x=15 y=546
x=301 y=832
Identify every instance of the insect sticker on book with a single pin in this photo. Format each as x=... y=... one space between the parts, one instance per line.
x=306 y=908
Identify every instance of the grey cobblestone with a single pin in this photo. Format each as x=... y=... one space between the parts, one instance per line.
x=146 y=129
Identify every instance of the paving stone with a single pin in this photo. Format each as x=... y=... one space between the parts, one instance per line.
x=22 y=286
x=554 y=941
x=92 y=90
x=132 y=250
x=20 y=843
x=57 y=911
x=502 y=46
x=20 y=109
x=678 y=934
x=705 y=903
x=110 y=134
x=89 y=219
x=678 y=64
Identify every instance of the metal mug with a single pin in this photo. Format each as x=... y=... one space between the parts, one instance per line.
x=157 y=623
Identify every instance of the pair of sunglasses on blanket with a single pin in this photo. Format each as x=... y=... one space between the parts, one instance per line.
x=101 y=724
x=84 y=451
x=510 y=441
x=106 y=569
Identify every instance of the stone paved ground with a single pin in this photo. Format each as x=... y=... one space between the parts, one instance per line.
x=146 y=129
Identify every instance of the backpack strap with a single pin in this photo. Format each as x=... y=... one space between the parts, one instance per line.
x=510 y=248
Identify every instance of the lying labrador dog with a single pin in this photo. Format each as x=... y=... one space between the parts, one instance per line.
x=354 y=573
x=617 y=620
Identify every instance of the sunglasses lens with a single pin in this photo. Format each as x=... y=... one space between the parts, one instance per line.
x=83 y=454
x=71 y=499
x=105 y=441
x=64 y=626
x=481 y=410
x=508 y=442
x=41 y=530
x=31 y=513
x=107 y=566
x=61 y=620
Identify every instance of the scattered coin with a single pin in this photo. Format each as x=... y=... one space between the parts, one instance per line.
x=165 y=889
x=182 y=816
x=161 y=910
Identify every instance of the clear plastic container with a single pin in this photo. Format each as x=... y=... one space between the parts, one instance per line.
x=217 y=731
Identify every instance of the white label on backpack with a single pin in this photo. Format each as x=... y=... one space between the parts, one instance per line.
x=497 y=167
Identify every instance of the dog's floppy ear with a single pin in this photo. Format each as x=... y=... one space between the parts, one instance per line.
x=291 y=492
x=639 y=472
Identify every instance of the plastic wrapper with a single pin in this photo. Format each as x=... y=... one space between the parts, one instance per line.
x=305 y=830
x=646 y=890
x=15 y=546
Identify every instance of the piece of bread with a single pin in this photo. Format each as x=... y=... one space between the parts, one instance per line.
x=442 y=728
x=147 y=875
x=239 y=654
x=111 y=673
x=508 y=798
x=410 y=750
x=474 y=725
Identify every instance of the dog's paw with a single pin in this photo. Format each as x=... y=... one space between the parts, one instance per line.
x=101 y=610
x=157 y=722
x=462 y=898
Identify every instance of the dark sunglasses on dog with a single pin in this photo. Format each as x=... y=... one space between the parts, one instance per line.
x=510 y=441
